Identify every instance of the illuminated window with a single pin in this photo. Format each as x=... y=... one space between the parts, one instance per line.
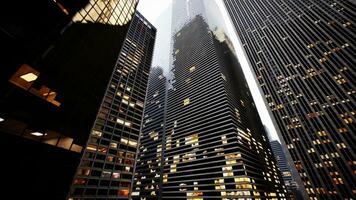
x=120 y=121
x=110 y=158
x=132 y=143
x=192 y=69
x=186 y=101
x=83 y=172
x=91 y=147
x=173 y=168
x=321 y=60
x=342 y=130
x=223 y=139
x=106 y=174
x=193 y=139
x=115 y=175
x=128 y=124
x=79 y=181
x=176 y=52
x=165 y=178
x=24 y=77
x=241 y=179
x=96 y=133
x=123 y=192
x=113 y=145
x=29 y=77
x=127 y=169
x=188 y=80
x=139 y=103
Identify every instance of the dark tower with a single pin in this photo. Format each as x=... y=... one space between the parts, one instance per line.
x=215 y=144
x=303 y=56
x=148 y=173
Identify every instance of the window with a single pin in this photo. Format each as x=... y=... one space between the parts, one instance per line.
x=193 y=139
x=186 y=101
x=115 y=175
x=29 y=77
x=24 y=77
x=132 y=143
x=223 y=139
x=96 y=133
x=113 y=145
x=120 y=121
x=106 y=174
x=173 y=168
x=139 y=103
x=188 y=80
x=192 y=69
x=123 y=192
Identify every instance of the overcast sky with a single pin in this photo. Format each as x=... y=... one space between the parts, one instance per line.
x=158 y=12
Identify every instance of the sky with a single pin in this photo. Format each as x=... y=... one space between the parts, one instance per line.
x=158 y=12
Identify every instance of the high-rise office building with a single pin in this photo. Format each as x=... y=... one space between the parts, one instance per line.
x=148 y=171
x=214 y=145
x=284 y=167
x=106 y=167
x=55 y=67
x=303 y=56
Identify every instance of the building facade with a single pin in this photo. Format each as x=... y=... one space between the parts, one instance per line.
x=148 y=171
x=284 y=167
x=107 y=165
x=214 y=145
x=303 y=56
x=55 y=71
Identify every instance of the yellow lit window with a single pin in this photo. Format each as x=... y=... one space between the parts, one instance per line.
x=139 y=103
x=321 y=60
x=173 y=168
x=165 y=178
x=29 y=77
x=192 y=69
x=186 y=101
x=24 y=76
x=223 y=139
x=96 y=133
x=120 y=121
x=92 y=147
x=193 y=139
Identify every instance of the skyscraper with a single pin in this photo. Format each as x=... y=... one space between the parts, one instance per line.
x=287 y=175
x=148 y=172
x=106 y=167
x=55 y=67
x=303 y=56
x=214 y=144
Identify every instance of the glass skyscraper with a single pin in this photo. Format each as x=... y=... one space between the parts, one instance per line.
x=303 y=56
x=107 y=165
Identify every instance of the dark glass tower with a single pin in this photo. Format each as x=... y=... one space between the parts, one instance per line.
x=214 y=143
x=284 y=167
x=55 y=67
x=303 y=55
x=106 y=167
x=148 y=173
